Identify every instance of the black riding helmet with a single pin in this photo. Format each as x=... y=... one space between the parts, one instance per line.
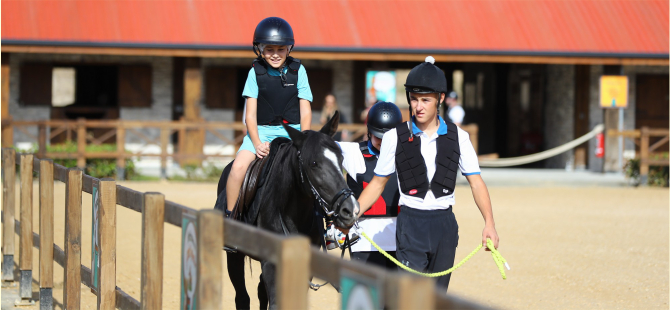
x=275 y=31
x=382 y=117
x=425 y=78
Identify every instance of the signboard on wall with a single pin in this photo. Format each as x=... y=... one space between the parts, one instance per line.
x=380 y=86
x=613 y=91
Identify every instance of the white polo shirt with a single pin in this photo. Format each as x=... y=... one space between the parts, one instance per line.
x=380 y=229
x=468 y=164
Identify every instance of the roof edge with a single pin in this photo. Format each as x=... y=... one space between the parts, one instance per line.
x=88 y=44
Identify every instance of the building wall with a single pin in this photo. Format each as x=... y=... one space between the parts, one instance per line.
x=559 y=111
x=160 y=110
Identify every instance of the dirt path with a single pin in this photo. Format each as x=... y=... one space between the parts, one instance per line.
x=569 y=248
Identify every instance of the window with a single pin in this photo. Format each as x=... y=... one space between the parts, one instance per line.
x=63 y=85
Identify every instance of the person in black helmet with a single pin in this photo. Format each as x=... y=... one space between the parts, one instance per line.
x=426 y=154
x=360 y=159
x=277 y=91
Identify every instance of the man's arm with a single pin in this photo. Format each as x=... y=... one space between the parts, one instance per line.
x=371 y=193
x=483 y=201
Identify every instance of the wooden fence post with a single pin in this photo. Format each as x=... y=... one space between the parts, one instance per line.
x=42 y=140
x=46 y=233
x=410 y=292
x=81 y=143
x=26 y=242
x=644 y=155
x=107 y=232
x=153 y=214
x=209 y=288
x=121 y=151
x=72 y=277
x=293 y=273
x=9 y=209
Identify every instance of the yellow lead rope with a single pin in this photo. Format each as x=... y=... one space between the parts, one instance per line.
x=497 y=258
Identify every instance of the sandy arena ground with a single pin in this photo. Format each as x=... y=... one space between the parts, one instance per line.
x=569 y=248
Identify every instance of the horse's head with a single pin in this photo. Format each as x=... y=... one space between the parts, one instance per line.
x=321 y=171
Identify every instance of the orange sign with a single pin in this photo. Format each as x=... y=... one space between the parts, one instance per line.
x=613 y=91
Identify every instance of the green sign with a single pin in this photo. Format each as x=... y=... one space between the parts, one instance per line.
x=189 y=261
x=95 y=234
x=360 y=292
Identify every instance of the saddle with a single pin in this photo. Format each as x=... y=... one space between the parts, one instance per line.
x=253 y=180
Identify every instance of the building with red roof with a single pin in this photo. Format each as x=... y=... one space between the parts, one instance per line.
x=527 y=72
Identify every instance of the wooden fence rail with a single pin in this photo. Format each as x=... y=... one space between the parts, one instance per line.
x=296 y=262
x=81 y=133
x=642 y=137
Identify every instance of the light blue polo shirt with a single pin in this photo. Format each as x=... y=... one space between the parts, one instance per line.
x=251 y=85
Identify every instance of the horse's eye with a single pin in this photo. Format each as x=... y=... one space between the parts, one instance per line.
x=313 y=164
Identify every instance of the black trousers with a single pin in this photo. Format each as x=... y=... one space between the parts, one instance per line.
x=426 y=241
x=375 y=258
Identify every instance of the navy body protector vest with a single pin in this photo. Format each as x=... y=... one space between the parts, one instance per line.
x=411 y=166
x=387 y=204
x=278 y=100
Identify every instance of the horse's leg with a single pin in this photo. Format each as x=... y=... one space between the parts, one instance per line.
x=236 y=273
x=262 y=294
x=269 y=280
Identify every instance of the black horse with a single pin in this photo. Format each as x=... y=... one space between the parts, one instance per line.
x=302 y=179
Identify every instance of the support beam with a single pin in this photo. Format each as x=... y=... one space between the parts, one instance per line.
x=194 y=139
x=7 y=130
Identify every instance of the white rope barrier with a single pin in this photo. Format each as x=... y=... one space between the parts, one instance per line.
x=526 y=159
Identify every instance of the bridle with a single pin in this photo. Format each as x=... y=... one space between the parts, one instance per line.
x=335 y=203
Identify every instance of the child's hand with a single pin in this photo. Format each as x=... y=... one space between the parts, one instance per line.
x=262 y=149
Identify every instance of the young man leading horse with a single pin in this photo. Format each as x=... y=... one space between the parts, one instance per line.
x=426 y=153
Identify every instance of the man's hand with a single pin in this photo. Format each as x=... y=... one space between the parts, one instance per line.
x=490 y=233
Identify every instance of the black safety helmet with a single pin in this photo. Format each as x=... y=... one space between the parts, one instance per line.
x=425 y=78
x=275 y=31
x=382 y=117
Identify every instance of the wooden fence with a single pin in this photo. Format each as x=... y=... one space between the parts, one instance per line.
x=95 y=132
x=642 y=138
x=296 y=261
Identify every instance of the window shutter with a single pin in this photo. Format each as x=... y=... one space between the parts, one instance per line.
x=135 y=86
x=221 y=88
x=35 y=84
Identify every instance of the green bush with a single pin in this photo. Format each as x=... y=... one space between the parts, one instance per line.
x=658 y=175
x=95 y=167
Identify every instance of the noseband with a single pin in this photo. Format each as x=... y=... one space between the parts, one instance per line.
x=335 y=203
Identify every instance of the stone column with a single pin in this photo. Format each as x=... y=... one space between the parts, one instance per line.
x=559 y=111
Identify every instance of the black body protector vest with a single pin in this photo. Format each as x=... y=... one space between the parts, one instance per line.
x=387 y=204
x=411 y=166
x=278 y=102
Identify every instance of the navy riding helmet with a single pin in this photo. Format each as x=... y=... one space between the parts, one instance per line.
x=274 y=31
x=382 y=117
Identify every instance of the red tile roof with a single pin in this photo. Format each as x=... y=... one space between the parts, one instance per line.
x=572 y=27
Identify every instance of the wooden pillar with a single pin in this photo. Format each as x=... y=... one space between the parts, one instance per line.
x=107 y=232
x=209 y=289
x=153 y=213
x=81 y=143
x=26 y=241
x=121 y=151
x=46 y=233
x=42 y=140
x=644 y=155
x=8 y=209
x=7 y=129
x=194 y=137
x=293 y=273
x=72 y=282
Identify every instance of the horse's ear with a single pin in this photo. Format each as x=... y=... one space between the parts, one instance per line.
x=330 y=128
x=295 y=135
